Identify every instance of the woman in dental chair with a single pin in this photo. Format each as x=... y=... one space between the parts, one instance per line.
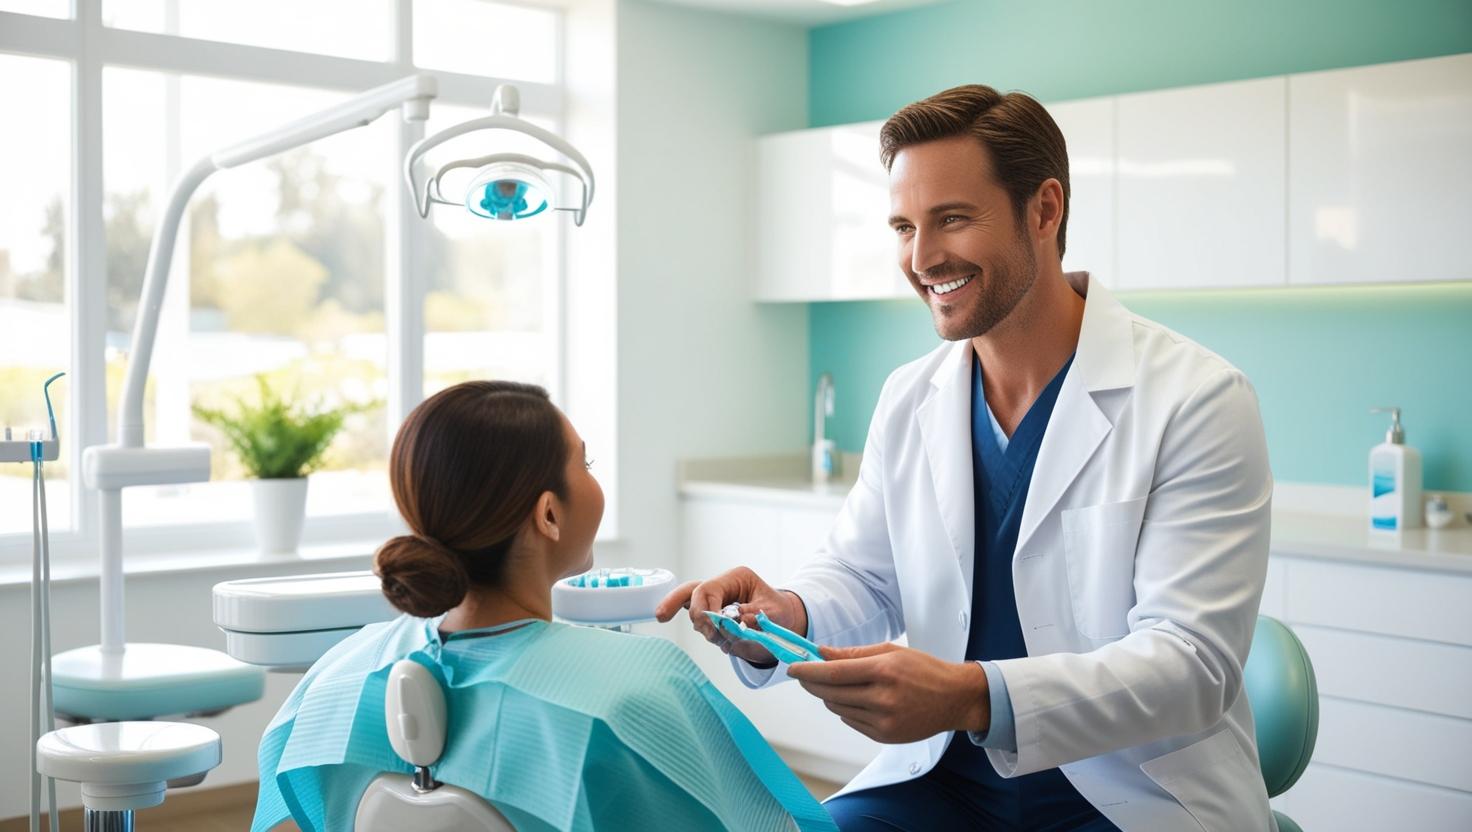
x=559 y=727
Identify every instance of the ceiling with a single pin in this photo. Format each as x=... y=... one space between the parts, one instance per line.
x=804 y=12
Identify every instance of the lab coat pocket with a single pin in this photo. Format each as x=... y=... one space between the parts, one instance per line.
x=1099 y=550
x=1214 y=780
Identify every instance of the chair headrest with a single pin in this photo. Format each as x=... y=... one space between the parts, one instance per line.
x=415 y=712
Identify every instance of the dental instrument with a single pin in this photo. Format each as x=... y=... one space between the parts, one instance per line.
x=118 y=680
x=788 y=647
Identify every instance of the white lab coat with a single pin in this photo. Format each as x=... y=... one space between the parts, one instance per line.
x=1138 y=570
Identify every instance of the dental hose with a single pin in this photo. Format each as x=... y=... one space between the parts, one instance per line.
x=42 y=721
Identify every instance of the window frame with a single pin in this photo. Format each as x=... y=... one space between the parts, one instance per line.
x=88 y=47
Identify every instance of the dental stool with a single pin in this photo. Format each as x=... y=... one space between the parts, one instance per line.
x=417 y=718
x=124 y=766
x=1280 y=685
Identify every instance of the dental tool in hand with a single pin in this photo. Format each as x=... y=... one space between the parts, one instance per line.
x=785 y=645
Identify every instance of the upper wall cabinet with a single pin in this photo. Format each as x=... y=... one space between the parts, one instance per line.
x=822 y=205
x=1380 y=169
x=1348 y=176
x=1201 y=186
x=1088 y=127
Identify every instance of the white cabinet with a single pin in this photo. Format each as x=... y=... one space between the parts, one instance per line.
x=1380 y=168
x=822 y=217
x=1201 y=186
x=1347 y=176
x=1392 y=651
x=1088 y=128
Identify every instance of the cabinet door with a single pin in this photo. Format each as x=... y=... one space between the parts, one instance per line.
x=718 y=535
x=1088 y=128
x=1380 y=165
x=1201 y=186
x=792 y=237
x=822 y=203
x=864 y=256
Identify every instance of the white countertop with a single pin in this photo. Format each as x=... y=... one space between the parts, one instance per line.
x=1349 y=538
x=1308 y=521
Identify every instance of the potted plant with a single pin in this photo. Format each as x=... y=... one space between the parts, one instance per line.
x=279 y=444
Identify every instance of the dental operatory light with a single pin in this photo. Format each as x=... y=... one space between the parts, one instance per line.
x=505 y=186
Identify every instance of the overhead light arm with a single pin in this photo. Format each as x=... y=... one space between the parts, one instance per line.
x=412 y=93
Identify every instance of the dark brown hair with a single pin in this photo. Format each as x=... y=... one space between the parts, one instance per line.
x=1025 y=144
x=467 y=467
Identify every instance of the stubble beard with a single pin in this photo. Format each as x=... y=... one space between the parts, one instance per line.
x=1003 y=286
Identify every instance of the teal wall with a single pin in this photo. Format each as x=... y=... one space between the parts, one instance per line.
x=1321 y=357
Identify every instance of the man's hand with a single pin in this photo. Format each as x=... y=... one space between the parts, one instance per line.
x=738 y=586
x=898 y=694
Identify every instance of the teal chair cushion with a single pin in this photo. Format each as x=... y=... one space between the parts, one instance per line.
x=1280 y=685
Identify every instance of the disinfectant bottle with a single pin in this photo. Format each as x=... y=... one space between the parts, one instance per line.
x=1395 y=479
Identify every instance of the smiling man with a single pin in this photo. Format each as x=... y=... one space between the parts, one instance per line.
x=1065 y=509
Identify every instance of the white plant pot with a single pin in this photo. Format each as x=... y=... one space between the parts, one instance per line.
x=281 y=510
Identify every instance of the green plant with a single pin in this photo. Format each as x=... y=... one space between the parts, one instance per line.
x=274 y=439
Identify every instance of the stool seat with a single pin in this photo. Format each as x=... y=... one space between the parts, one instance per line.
x=125 y=765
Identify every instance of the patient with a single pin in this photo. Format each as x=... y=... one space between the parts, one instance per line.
x=560 y=727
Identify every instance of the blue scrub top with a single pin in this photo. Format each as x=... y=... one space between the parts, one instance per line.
x=1000 y=480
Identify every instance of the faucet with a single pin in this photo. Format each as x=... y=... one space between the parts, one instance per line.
x=823 y=447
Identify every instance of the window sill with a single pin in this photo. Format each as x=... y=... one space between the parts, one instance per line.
x=343 y=556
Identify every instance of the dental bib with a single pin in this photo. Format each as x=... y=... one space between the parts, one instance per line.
x=559 y=727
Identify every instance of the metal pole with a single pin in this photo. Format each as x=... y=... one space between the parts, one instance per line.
x=105 y=820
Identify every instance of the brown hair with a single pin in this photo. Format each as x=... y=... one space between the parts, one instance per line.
x=467 y=467
x=1024 y=142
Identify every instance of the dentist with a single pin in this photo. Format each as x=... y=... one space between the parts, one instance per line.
x=1064 y=507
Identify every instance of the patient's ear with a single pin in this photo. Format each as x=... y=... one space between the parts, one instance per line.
x=547 y=516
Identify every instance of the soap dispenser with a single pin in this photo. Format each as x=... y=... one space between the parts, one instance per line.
x=824 y=448
x=1395 y=479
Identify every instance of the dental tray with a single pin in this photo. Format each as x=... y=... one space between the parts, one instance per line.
x=611 y=597
x=287 y=622
x=293 y=603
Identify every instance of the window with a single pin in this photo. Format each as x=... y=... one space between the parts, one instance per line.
x=483 y=38
x=284 y=267
x=35 y=332
x=45 y=8
x=349 y=28
x=281 y=274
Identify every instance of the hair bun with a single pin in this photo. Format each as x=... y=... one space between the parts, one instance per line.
x=420 y=575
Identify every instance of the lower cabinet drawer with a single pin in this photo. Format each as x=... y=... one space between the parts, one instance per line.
x=1329 y=798
x=1387 y=670
x=1410 y=603
x=1407 y=745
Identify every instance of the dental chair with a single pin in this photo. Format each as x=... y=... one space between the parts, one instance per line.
x=417 y=718
x=1279 y=682
x=287 y=623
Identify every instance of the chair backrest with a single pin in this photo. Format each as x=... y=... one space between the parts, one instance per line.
x=392 y=804
x=1280 y=685
x=417 y=718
